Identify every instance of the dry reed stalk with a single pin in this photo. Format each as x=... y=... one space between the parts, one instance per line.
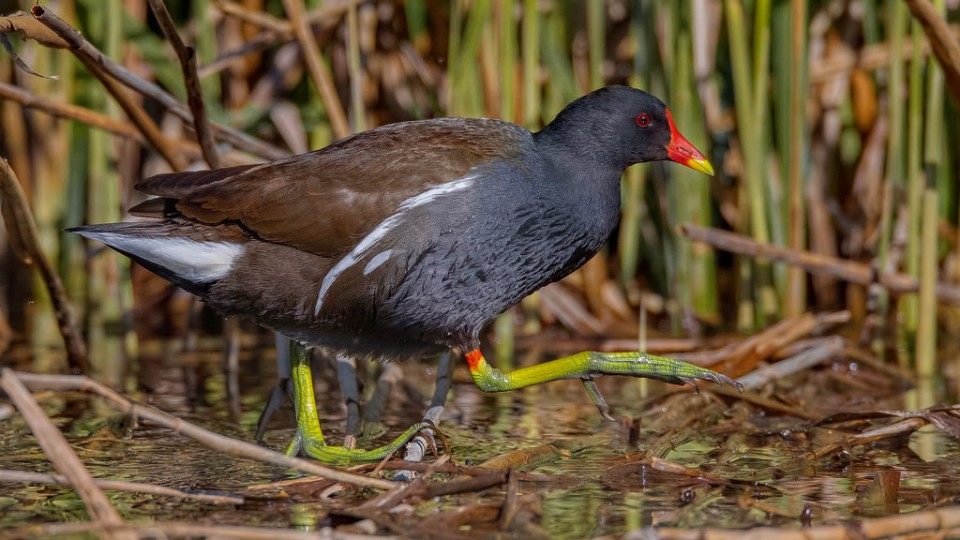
x=188 y=64
x=21 y=225
x=318 y=71
x=850 y=271
x=945 y=45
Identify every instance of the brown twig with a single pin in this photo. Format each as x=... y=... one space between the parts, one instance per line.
x=85 y=116
x=27 y=27
x=525 y=457
x=670 y=467
x=465 y=470
x=117 y=485
x=96 y=120
x=804 y=360
x=420 y=489
x=177 y=529
x=869 y=58
x=260 y=43
x=945 y=46
x=188 y=64
x=937 y=523
x=205 y=437
x=20 y=223
x=237 y=138
x=767 y=403
x=58 y=451
x=318 y=71
x=902 y=427
x=134 y=110
x=329 y=13
x=843 y=269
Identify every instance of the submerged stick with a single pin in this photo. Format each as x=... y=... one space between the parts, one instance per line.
x=902 y=427
x=205 y=437
x=20 y=224
x=818 y=264
x=58 y=451
x=11 y=476
x=181 y=529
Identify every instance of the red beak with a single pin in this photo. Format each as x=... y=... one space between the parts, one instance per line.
x=684 y=153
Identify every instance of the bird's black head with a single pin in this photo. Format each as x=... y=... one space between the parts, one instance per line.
x=620 y=126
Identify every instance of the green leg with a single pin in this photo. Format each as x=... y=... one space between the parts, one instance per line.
x=588 y=366
x=309 y=436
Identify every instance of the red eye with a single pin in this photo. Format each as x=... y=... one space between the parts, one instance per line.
x=643 y=119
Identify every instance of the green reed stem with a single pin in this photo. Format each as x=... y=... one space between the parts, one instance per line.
x=561 y=87
x=796 y=287
x=357 y=109
x=508 y=60
x=691 y=196
x=633 y=210
x=596 y=18
x=531 y=64
x=914 y=174
x=926 y=346
x=749 y=128
x=417 y=26
x=895 y=148
x=103 y=206
x=467 y=73
x=206 y=52
x=454 y=46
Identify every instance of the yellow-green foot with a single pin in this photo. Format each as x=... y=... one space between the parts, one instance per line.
x=312 y=445
x=588 y=366
x=308 y=439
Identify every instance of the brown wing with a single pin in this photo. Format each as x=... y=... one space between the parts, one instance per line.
x=324 y=202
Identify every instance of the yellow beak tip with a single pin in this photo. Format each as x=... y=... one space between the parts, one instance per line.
x=701 y=165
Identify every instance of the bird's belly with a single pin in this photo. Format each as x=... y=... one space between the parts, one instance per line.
x=452 y=294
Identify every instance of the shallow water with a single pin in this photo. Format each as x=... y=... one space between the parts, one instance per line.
x=599 y=488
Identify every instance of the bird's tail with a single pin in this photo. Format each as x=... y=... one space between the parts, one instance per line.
x=188 y=258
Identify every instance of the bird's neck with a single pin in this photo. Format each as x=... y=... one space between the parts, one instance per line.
x=579 y=147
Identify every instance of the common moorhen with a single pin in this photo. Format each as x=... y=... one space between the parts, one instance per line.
x=406 y=240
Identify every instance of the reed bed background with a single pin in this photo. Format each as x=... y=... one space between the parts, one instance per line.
x=828 y=122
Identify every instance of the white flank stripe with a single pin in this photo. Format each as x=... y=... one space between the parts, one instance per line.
x=376 y=261
x=198 y=262
x=381 y=230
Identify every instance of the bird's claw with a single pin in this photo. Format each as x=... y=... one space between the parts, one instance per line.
x=597 y=398
x=711 y=376
x=427 y=430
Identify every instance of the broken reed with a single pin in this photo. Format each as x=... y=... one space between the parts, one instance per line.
x=524 y=60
